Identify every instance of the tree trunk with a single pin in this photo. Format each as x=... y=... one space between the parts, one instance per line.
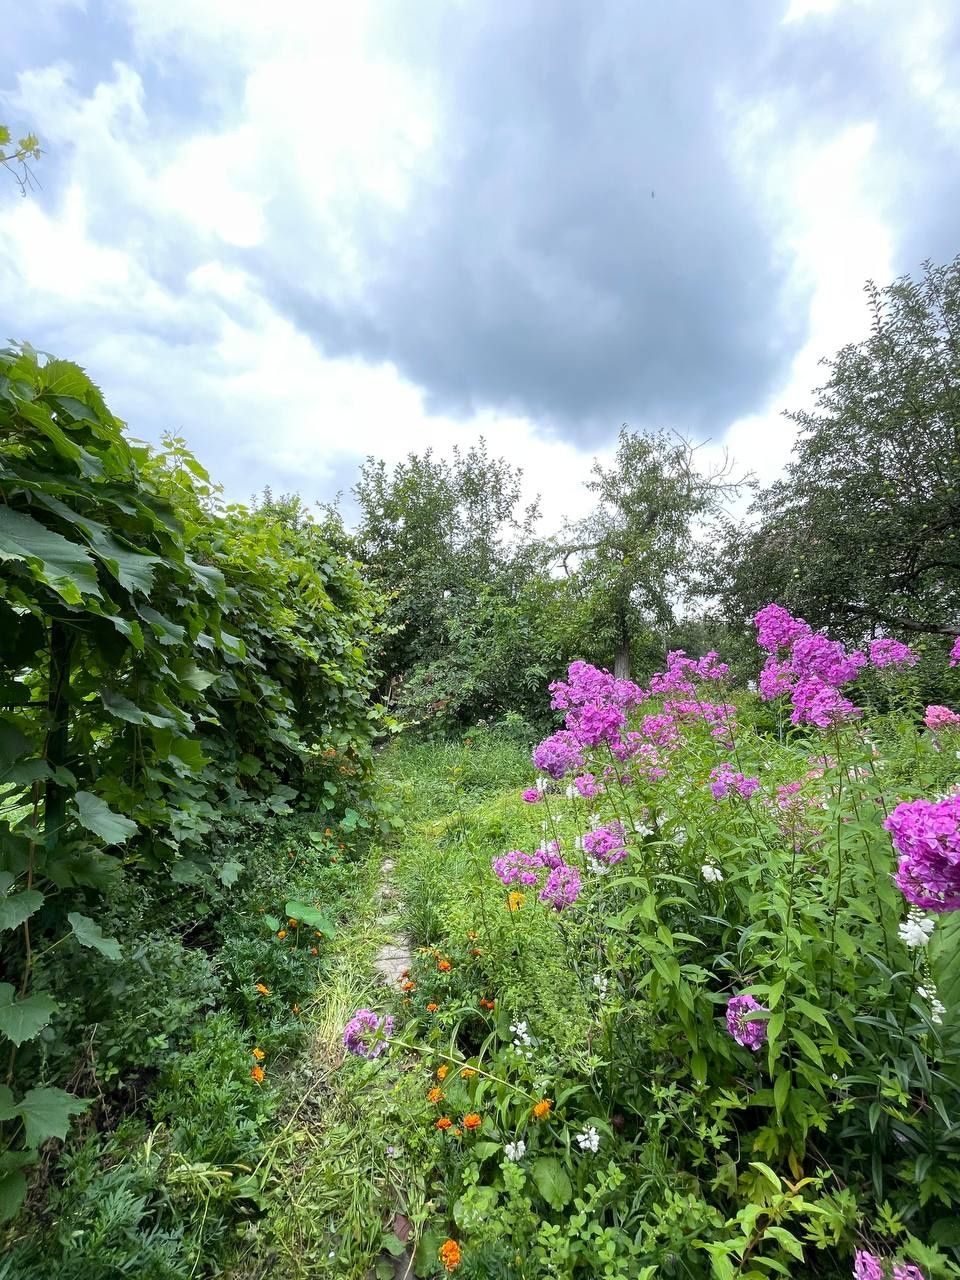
x=621 y=659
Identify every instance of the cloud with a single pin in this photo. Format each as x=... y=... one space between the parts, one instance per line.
x=351 y=229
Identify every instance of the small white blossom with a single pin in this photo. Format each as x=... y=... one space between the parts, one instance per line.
x=641 y=829
x=710 y=873
x=915 y=931
x=545 y=824
x=597 y=867
x=520 y=1034
x=571 y=792
x=595 y=819
x=680 y=837
x=602 y=985
x=515 y=1150
x=589 y=1140
x=578 y=843
x=541 y=783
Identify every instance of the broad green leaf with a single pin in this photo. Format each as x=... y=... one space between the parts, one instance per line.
x=13 y=1190
x=132 y=569
x=781 y=1089
x=124 y=709
x=63 y=565
x=13 y=744
x=229 y=872
x=97 y=816
x=46 y=1114
x=89 y=934
x=552 y=1182
x=7 y=1108
x=808 y=1047
x=308 y=915
x=19 y=907
x=21 y=1020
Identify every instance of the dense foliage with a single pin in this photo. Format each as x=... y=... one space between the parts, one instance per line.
x=166 y=664
x=674 y=1013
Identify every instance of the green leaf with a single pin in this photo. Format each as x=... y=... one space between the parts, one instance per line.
x=310 y=916
x=552 y=1181
x=7 y=1107
x=21 y=1020
x=13 y=744
x=89 y=934
x=808 y=1047
x=767 y=1173
x=19 y=907
x=97 y=816
x=13 y=1190
x=46 y=1114
x=229 y=872
x=781 y=1088
x=124 y=709
x=62 y=565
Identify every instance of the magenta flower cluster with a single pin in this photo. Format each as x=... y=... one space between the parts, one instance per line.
x=751 y=1033
x=811 y=671
x=607 y=844
x=366 y=1035
x=562 y=888
x=682 y=671
x=891 y=653
x=937 y=717
x=559 y=754
x=724 y=779
x=517 y=865
x=867 y=1266
x=955 y=653
x=926 y=834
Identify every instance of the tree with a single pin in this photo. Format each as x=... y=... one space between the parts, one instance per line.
x=14 y=157
x=633 y=556
x=861 y=534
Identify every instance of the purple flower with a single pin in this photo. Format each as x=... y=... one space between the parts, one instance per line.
x=867 y=1266
x=596 y=723
x=517 y=865
x=532 y=795
x=819 y=703
x=751 y=1034
x=606 y=843
x=891 y=653
x=777 y=628
x=559 y=754
x=937 y=717
x=926 y=834
x=725 y=780
x=955 y=653
x=817 y=655
x=776 y=677
x=907 y=1271
x=587 y=785
x=562 y=888
x=366 y=1035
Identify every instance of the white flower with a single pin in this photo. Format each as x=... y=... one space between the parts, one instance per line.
x=641 y=829
x=520 y=1035
x=515 y=1150
x=597 y=867
x=545 y=824
x=578 y=843
x=710 y=873
x=915 y=931
x=595 y=819
x=571 y=792
x=589 y=1140
x=680 y=837
x=541 y=783
x=602 y=985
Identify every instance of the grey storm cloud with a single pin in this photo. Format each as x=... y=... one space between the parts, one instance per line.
x=590 y=250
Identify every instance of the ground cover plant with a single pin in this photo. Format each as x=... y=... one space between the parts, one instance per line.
x=689 y=1005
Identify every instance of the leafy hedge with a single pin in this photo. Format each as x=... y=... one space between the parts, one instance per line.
x=165 y=661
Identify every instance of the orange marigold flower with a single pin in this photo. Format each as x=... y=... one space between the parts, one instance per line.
x=472 y=1121
x=444 y=1122
x=317 y=933
x=515 y=901
x=259 y=1054
x=456 y=1133
x=432 y=1008
x=292 y=922
x=434 y=1094
x=264 y=991
x=444 y=966
x=314 y=951
x=542 y=1108
x=475 y=951
x=281 y=934
x=450 y=1255
x=467 y=1072
x=442 y=1072
x=408 y=986
x=258 y=1074
x=485 y=1003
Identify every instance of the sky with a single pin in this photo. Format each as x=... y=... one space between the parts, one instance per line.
x=305 y=233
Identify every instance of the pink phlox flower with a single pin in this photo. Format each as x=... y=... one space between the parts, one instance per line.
x=532 y=795
x=867 y=1266
x=726 y=779
x=559 y=754
x=891 y=653
x=748 y=1032
x=595 y=723
x=926 y=834
x=937 y=717
x=955 y=653
x=562 y=888
x=606 y=843
x=587 y=785
x=816 y=702
x=366 y=1035
x=777 y=628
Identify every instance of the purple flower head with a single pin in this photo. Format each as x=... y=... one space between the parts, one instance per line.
x=366 y=1035
x=777 y=628
x=817 y=655
x=559 y=754
x=562 y=888
x=711 y=668
x=955 y=653
x=725 y=779
x=751 y=1034
x=586 y=684
x=661 y=730
x=549 y=855
x=587 y=785
x=606 y=843
x=532 y=795
x=907 y=1271
x=867 y=1266
x=926 y=834
x=776 y=677
x=891 y=653
x=816 y=702
x=595 y=723
x=517 y=865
